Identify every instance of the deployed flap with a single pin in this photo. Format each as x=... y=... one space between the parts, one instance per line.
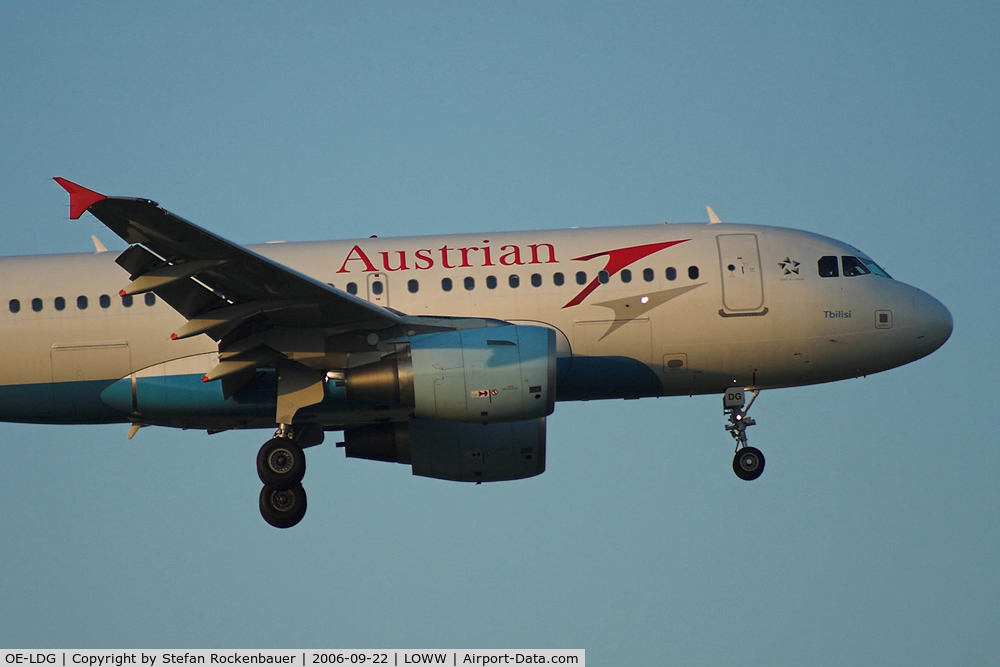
x=241 y=363
x=166 y=275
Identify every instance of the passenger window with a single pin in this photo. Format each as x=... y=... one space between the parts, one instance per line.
x=81 y=302
x=853 y=266
x=581 y=278
x=536 y=280
x=514 y=281
x=105 y=301
x=693 y=272
x=127 y=301
x=446 y=284
x=150 y=299
x=15 y=306
x=558 y=279
x=491 y=282
x=626 y=276
x=828 y=267
x=647 y=275
x=60 y=303
x=413 y=286
x=671 y=273
x=352 y=288
x=36 y=305
x=603 y=277
x=470 y=283
x=377 y=287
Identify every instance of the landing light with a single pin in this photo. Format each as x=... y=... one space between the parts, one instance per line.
x=644 y=299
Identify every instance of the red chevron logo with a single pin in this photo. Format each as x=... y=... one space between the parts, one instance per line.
x=618 y=260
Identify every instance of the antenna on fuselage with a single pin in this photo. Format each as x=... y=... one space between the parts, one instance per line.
x=713 y=219
x=98 y=246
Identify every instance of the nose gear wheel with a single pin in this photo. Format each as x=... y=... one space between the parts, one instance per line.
x=748 y=464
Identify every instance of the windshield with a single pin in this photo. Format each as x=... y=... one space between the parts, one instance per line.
x=870 y=264
x=874 y=268
x=853 y=266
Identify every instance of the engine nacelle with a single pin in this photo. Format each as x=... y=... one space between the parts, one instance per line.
x=454 y=451
x=488 y=375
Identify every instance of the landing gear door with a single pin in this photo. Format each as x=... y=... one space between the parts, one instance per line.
x=742 y=283
x=378 y=289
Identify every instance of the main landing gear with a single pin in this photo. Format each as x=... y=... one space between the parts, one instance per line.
x=281 y=464
x=748 y=464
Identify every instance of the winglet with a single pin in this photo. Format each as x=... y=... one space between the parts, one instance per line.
x=98 y=246
x=713 y=219
x=80 y=198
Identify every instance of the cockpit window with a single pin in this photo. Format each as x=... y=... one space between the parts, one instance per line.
x=869 y=264
x=853 y=266
x=875 y=268
x=828 y=267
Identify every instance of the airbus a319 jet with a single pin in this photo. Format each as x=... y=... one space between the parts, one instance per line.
x=444 y=353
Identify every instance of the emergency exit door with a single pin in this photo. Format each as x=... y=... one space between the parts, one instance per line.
x=742 y=283
x=378 y=289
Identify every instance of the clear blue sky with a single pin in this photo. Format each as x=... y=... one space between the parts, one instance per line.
x=873 y=537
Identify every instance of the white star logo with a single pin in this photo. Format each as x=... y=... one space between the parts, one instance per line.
x=790 y=266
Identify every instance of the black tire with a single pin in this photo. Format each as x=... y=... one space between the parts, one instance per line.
x=281 y=463
x=748 y=464
x=283 y=508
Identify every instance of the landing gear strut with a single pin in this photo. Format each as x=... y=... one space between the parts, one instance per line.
x=281 y=464
x=748 y=464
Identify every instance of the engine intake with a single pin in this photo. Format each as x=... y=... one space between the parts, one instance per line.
x=494 y=374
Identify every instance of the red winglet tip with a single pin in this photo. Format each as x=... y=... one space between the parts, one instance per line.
x=80 y=198
x=173 y=336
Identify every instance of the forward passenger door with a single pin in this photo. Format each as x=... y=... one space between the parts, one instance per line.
x=742 y=283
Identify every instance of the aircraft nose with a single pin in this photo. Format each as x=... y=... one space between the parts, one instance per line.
x=934 y=322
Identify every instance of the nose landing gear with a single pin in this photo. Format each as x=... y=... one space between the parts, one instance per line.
x=748 y=464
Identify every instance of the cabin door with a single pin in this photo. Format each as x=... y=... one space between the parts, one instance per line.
x=742 y=283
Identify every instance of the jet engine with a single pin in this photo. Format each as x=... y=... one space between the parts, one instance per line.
x=494 y=374
x=454 y=451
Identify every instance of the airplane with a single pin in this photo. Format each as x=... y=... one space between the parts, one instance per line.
x=444 y=353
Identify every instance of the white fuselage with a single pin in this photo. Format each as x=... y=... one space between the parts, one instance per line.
x=681 y=309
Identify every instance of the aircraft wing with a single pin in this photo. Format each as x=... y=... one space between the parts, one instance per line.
x=216 y=284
